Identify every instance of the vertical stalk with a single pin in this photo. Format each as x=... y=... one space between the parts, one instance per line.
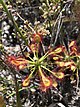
x=9 y=14
x=18 y=101
x=77 y=75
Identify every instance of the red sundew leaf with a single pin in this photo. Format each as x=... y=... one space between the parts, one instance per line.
x=73 y=43
x=37 y=38
x=58 y=50
x=57 y=58
x=20 y=59
x=26 y=82
x=10 y=58
x=34 y=48
x=46 y=81
x=58 y=72
x=74 y=51
x=61 y=64
x=19 y=63
x=68 y=63
x=46 y=84
x=22 y=66
x=43 y=88
x=59 y=75
x=73 y=67
x=73 y=48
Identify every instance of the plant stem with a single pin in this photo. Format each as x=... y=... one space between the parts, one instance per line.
x=18 y=103
x=13 y=21
x=77 y=81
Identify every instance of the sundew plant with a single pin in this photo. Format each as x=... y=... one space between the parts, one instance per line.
x=39 y=52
